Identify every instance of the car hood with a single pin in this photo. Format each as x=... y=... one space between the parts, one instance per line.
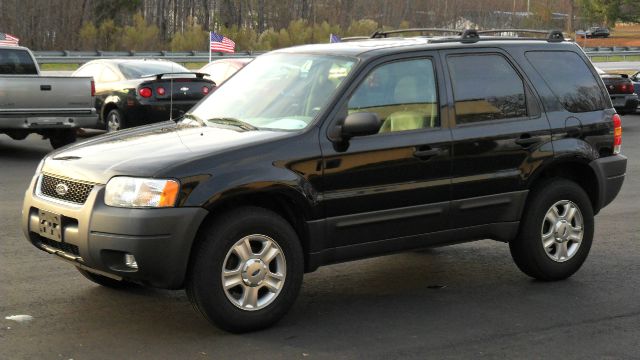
x=147 y=150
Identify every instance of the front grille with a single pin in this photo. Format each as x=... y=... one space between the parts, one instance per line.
x=67 y=248
x=76 y=192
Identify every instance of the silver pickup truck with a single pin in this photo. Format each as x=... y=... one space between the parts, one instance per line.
x=52 y=106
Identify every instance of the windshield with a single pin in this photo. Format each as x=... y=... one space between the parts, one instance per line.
x=137 y=70
x=276 y=91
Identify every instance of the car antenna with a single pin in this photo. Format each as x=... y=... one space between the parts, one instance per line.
x=171 y=93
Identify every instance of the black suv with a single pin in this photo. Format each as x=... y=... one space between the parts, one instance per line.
x=326 y=153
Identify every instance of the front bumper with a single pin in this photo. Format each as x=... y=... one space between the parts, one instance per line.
x=96 y=237
x=610 y=172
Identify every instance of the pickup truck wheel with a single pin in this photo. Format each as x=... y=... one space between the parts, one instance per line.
x=115 y=121
x=60 y=138
x=106 y=281
x=556 y=231
x=246 y=270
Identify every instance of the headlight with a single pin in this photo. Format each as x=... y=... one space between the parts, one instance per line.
x=122 y=191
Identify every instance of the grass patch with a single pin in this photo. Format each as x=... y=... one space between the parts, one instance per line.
x=193 y=66
x=615 y=58
x=59 y=67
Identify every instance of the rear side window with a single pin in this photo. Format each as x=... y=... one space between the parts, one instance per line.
x=16 y=62
x=486 y=87
x=569 y=79
x=92 y=70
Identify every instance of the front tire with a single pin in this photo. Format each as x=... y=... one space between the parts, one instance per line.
x=246 y=270
x=556 y=231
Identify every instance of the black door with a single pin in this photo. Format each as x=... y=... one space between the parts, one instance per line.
x=500 y=137
x=395 y=183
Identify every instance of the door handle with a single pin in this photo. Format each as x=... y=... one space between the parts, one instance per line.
x=427 y=152
x=527 y=140
x=45 y=87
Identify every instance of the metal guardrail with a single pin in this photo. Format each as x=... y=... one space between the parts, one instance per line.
x=80 y=57
x=608 y=52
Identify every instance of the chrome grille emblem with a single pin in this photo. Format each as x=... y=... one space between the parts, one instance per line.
x=62 y=189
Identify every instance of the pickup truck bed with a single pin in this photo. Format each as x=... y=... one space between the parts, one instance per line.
x=51 y=106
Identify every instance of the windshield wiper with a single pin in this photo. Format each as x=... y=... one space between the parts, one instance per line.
x=189 y=117
x=232 y=122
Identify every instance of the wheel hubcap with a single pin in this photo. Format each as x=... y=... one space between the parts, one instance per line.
x=253 y=272
x=562 y=231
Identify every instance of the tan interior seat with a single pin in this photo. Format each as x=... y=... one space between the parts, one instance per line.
x=404 y=117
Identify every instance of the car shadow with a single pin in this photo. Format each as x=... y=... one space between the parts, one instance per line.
x=347 y=304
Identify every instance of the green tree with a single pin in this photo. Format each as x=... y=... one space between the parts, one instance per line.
x=88 y=36
x=362 y=27
x=608 y=12
x=194 y=38
x=140 y=36
x=109 y=36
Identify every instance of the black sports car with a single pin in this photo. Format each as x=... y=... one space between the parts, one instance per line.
x=136 y=92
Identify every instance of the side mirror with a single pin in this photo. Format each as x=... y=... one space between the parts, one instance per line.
x=360 y=124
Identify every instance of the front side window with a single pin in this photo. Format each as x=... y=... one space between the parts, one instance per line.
x=486 y=87
x=402 y=93
x=570 y=80
x=280 y=91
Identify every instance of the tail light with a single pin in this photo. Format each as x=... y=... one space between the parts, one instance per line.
x=617 y=133
x=160 y=91
x=625 y=88
x=93 y=88
x=145 y=92
x=205 y=90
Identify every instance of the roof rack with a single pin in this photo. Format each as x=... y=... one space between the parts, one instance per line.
x=473 y=35
x=386 y=33
x=354 y=38
x=552 y=35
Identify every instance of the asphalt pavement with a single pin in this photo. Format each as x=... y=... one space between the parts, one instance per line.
x=461 y=301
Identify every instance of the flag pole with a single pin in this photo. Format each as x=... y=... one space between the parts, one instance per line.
x=209 y=46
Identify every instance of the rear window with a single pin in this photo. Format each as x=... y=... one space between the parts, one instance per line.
x=140 y=69
x=486 y=87
x=16 y=62
x=569 y=79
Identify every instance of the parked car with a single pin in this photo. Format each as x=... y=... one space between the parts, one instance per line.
x=621 y=91
x=325 y=153
x=137 y=92
x=221 y=70
x=595 y=32
x=635 y=79
x=51 y=106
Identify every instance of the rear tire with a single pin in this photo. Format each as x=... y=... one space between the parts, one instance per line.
x=60 y=138
x=106 y=281
x=556 y=231
x=115 y=121
x=257 y=255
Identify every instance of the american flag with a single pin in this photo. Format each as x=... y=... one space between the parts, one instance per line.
x=220 y=43
x=6 y=39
